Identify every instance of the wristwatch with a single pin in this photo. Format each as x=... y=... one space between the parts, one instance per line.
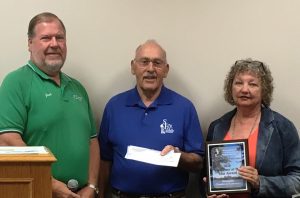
x=96 y=189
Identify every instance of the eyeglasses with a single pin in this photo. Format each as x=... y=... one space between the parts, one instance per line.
x=256 y=63
x=252 y=64
x=144 y=62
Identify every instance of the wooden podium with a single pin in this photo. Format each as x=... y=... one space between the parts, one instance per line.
x=26 y=175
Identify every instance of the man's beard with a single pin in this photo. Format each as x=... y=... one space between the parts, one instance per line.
x=54 y=66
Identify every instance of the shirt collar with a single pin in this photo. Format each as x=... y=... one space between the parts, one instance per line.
x=164 y=98
x=64 y=78
x=37 y=70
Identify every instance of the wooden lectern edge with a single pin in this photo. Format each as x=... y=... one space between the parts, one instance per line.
x=48 y=157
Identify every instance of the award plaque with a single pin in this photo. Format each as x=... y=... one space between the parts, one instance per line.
x=223 y=160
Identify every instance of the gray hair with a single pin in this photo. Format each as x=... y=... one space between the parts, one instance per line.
x=153 y=42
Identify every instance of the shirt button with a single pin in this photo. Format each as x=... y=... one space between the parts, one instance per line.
x=146 y=113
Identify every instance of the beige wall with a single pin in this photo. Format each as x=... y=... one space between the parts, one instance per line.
x=203 y=39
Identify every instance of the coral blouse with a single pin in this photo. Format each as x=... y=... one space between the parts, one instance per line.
x=252 y=142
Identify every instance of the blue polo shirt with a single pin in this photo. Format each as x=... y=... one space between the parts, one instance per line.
x=170 y=120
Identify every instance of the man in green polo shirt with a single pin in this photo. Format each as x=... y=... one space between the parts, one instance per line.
x=42 y=106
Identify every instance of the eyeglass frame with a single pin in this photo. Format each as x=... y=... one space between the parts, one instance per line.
x=259 y=64
x=145 y=62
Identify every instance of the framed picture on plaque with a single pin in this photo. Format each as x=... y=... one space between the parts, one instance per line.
x=223 y=160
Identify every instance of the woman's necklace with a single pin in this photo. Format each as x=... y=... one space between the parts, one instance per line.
x=251 y=130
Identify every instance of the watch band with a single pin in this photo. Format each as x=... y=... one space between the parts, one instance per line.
x=96 y=189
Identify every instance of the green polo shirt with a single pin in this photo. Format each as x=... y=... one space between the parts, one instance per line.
x=45 y=114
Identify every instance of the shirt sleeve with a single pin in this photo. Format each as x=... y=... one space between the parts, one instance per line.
x=93 y=126
x=92 y=121
x=13 y=113
x=193 y=141
x=105 y=144
x=93 y=130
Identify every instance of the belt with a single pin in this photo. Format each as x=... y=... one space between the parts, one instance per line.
x=121 y=194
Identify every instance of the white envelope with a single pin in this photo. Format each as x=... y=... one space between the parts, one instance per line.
x=151 y=156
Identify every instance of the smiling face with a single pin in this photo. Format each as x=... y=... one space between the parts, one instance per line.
x=246 y=90
x=150 y=68
x=47 y=47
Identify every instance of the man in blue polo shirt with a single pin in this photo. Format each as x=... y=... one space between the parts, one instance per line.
x=153 y=117
x=42 y=106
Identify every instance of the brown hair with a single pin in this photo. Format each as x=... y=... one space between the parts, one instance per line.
x=42 y=17
x=259 y=69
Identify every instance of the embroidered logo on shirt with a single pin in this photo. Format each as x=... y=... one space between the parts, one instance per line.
x=165 y=127
x=48 y=95
x=76 y=97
